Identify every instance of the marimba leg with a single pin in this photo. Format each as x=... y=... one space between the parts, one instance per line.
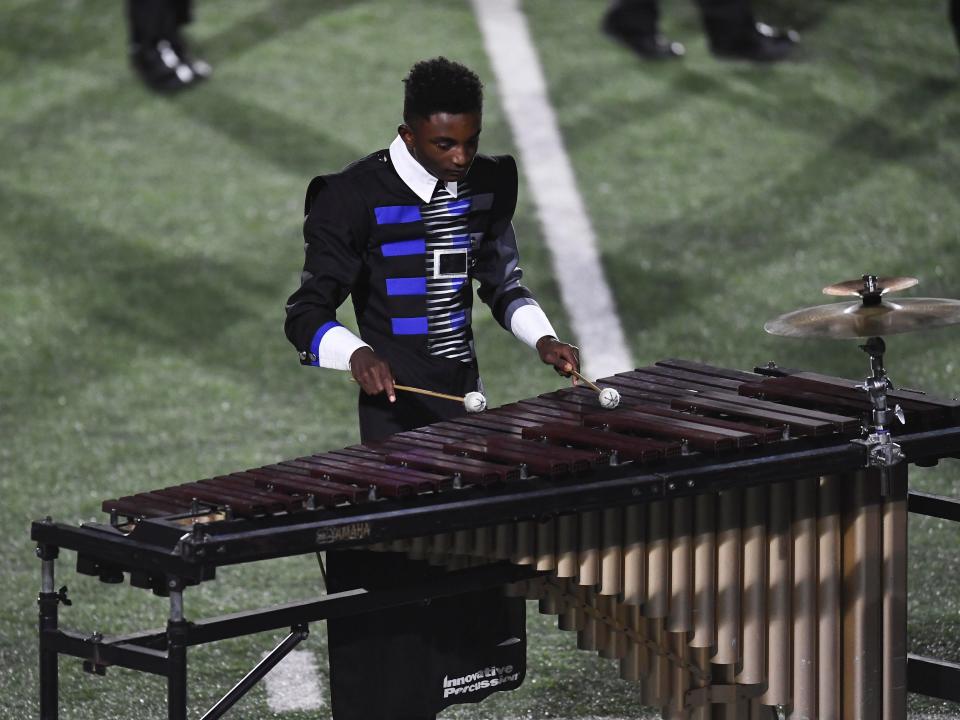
x=49 y=603
x=176 y=659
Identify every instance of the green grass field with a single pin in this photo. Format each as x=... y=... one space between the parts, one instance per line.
x=147 y=245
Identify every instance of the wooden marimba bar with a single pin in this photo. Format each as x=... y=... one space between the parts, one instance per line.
x=717 y=534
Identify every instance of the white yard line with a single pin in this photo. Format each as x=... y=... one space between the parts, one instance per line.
x=294 y=684
x=550 y=180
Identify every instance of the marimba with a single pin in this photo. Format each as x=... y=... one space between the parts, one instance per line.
x=720 y=535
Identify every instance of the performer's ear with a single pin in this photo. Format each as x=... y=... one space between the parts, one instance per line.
x=406 y=134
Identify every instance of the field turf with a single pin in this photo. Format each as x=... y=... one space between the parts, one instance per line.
x=147 y=245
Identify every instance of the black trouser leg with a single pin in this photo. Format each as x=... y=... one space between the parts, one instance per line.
x=633 y=17
x=150 y=21
x=183 y=11
x=955 y=19
x=728 y=23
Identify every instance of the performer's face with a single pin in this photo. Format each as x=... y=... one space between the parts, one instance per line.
x=443 y=143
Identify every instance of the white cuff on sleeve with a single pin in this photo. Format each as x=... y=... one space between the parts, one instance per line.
x=529 y=324
x=336 y=347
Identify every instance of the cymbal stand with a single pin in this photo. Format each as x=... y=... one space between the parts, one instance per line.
x=882 y=451
x=870 y=288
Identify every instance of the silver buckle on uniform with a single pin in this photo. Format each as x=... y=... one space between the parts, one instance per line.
x=450 y=263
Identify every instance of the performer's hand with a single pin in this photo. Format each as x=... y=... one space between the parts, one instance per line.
x=564 y=358
x=372 y=372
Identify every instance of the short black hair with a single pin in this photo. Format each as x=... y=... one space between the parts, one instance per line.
x=441 y=85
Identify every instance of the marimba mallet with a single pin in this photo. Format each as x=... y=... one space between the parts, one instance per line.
x=609 y=398
x=473 y=402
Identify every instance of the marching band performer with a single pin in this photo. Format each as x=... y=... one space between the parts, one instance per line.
x=404 y=232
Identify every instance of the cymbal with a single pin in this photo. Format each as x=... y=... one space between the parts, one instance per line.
x=881 y=286
x=860 y=320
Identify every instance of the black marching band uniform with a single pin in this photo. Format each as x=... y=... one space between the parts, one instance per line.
x=408 y=267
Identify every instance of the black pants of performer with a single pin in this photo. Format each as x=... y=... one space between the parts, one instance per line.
x=955 y=19
x=400 y=664
x=726 y=22
x=151 y=21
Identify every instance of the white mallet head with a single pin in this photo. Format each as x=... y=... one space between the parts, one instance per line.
x=475 y=402
x=609 y=398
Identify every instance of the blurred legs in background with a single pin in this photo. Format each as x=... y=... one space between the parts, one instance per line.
x=733 y=32
x=634 y=23
x=731 y=29
x=158 y=51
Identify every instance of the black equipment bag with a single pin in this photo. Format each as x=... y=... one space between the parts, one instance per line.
x=408 y=663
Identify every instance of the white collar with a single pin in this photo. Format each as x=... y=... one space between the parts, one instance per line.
x=414 y=174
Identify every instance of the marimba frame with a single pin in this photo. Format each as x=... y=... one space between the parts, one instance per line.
x=170 y=555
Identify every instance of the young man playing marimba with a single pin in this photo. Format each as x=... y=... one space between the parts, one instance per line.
x=404 y=231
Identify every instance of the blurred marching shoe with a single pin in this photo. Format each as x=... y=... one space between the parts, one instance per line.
x=656 y=47
x=161 y=68
x=760 y=43
x=648 y=45
x=201 y=68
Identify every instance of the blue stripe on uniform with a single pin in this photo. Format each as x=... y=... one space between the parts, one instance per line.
x=457 y=320
x=404 y=247
x=460 y=241
x=318 y=336
x=409 y=326
x=407 y=286
x=393 y=214
x=458 y=207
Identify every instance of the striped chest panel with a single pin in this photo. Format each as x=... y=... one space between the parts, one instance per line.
x=424 y=267
x=447 y=266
